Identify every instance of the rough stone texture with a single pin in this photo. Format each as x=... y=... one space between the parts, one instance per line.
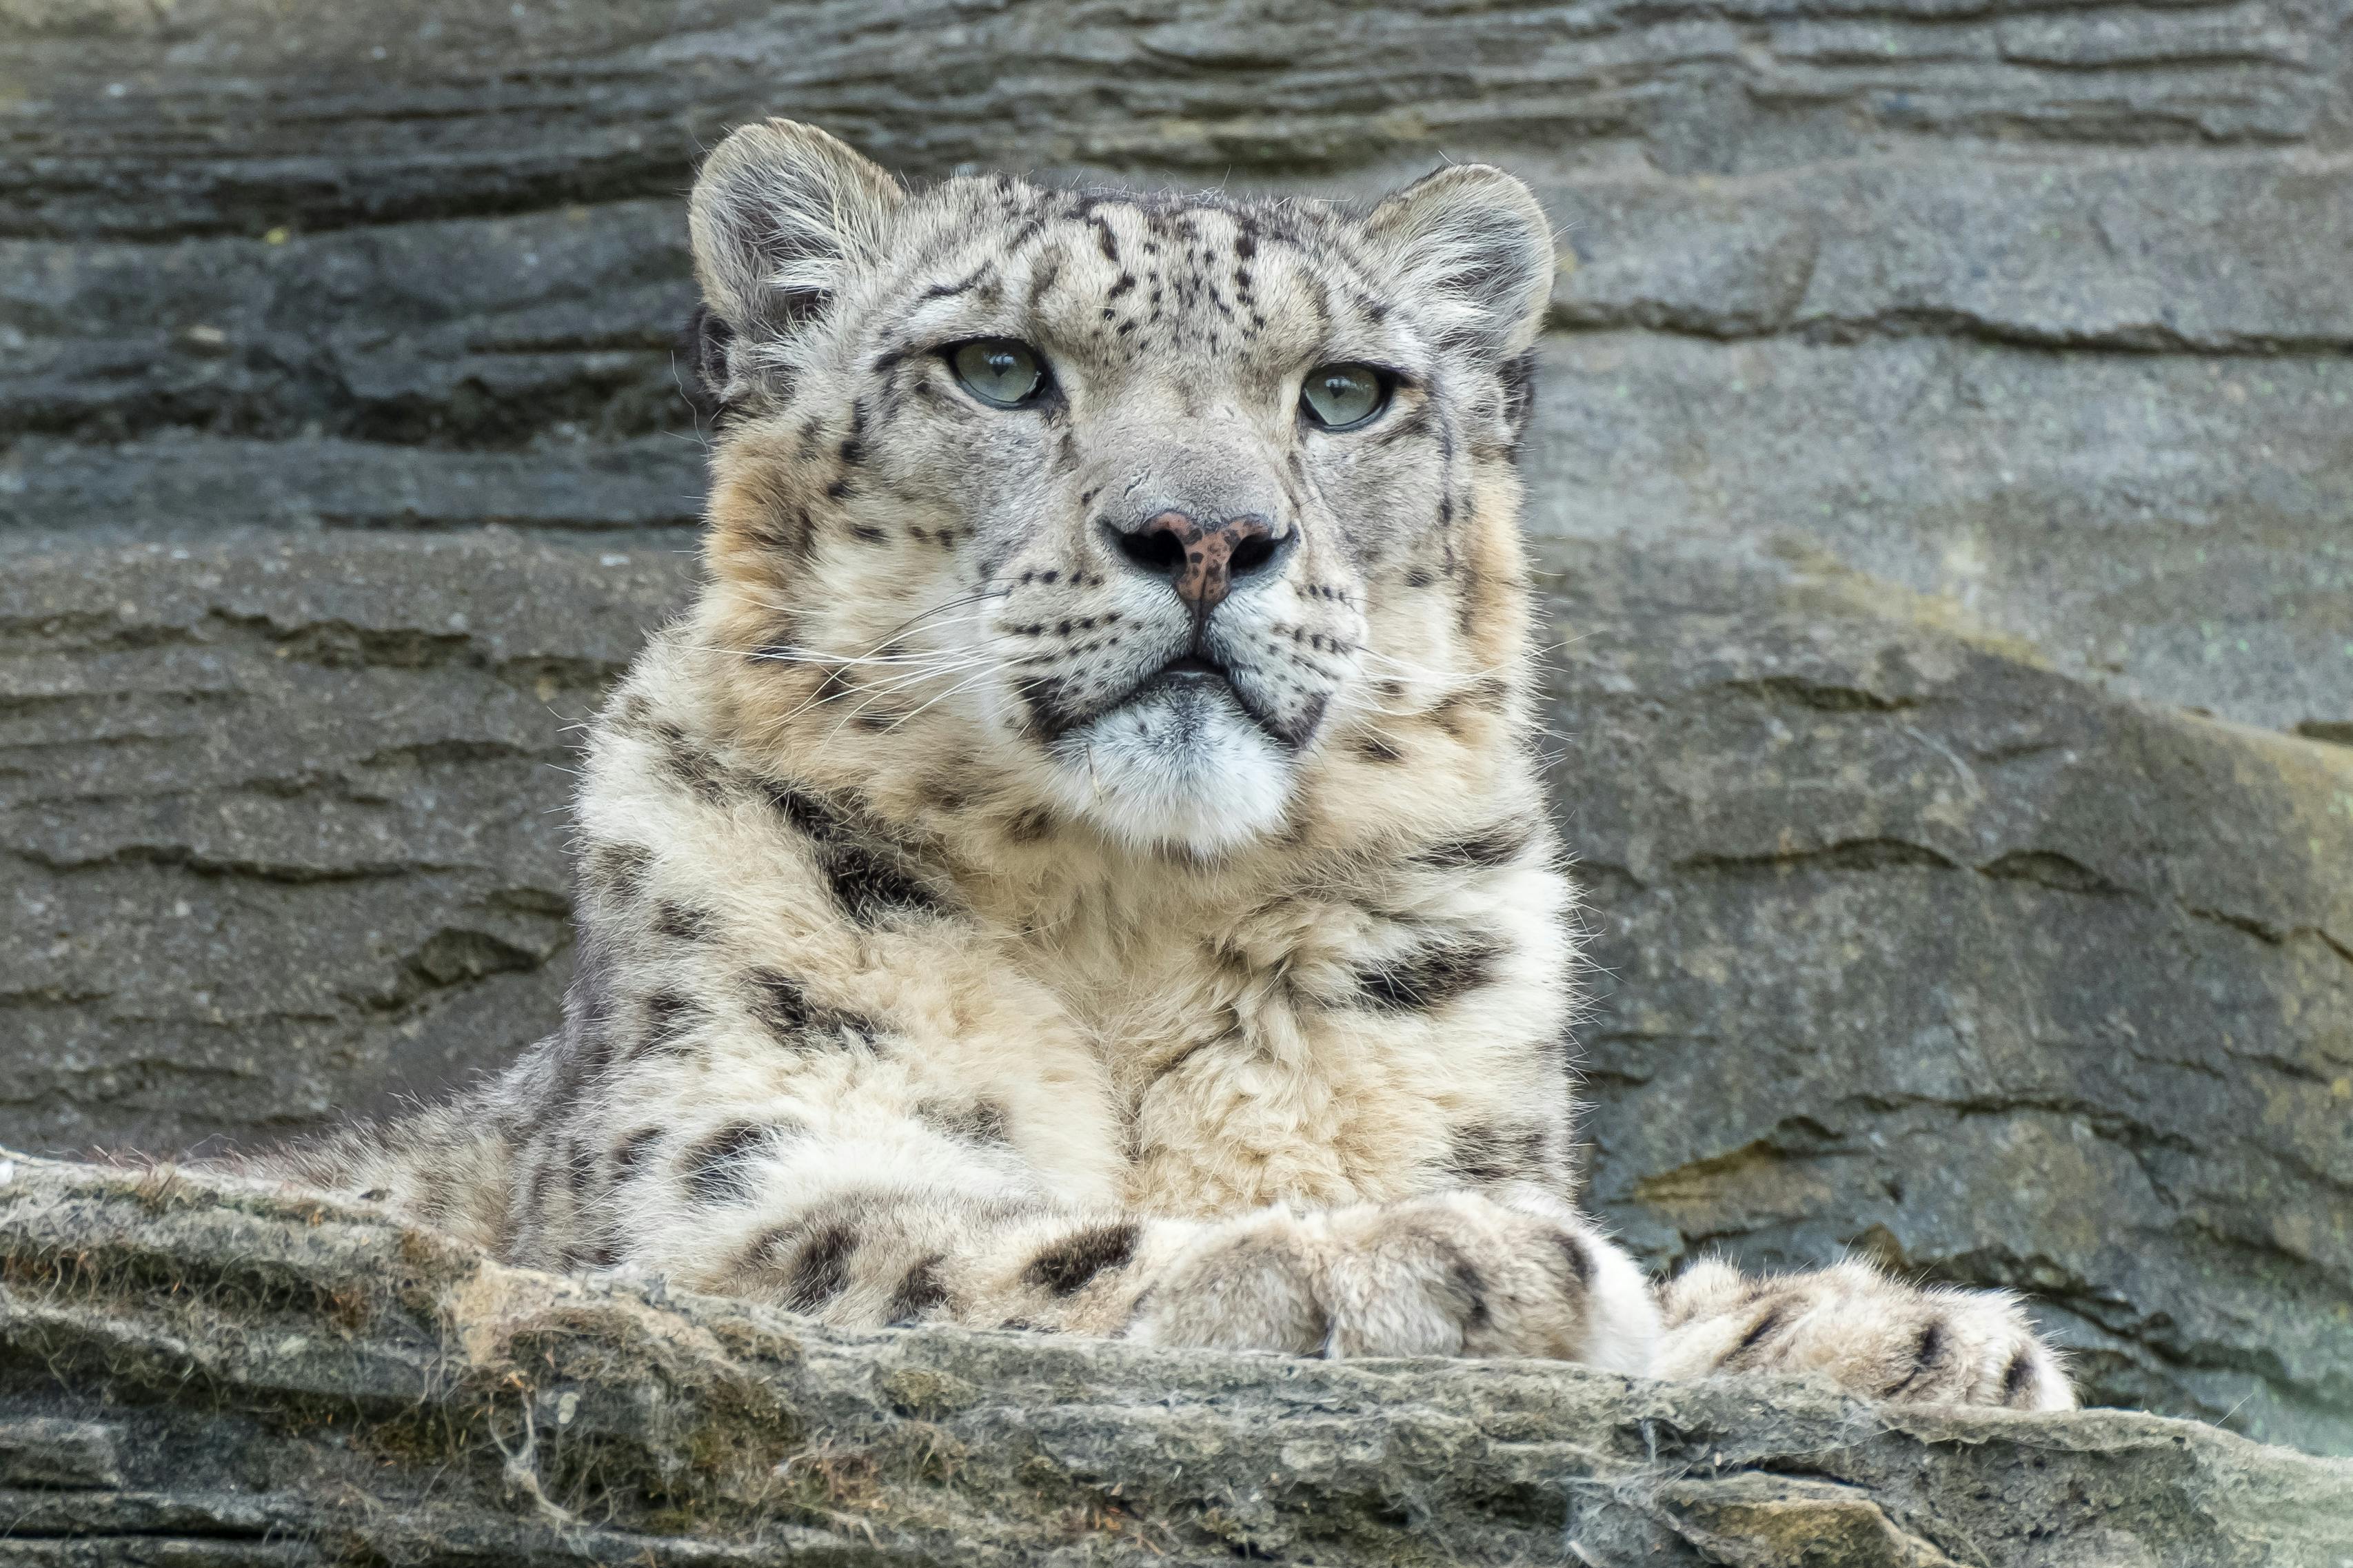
x=1909 y=943
x=2173 y=527
x=438 y=107
x=192 y=1372
x=285 y=819
x=1943 y=397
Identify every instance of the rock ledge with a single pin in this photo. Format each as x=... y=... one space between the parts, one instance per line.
x=197 y=1370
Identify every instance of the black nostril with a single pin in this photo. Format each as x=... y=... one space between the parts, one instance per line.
x=1251 y=554
x=1156 y=549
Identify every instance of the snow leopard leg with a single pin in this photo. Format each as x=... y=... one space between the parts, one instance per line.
x=842 y=1230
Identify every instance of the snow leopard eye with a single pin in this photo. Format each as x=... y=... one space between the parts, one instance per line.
x=1000 y=372
x=1342 y=396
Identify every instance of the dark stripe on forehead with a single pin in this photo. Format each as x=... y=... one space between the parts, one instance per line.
x=1031 y=228
x=1049 y=271
x=1321 y=298
x=964 y=285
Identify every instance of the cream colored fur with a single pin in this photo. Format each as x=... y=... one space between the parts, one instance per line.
x=947 y=954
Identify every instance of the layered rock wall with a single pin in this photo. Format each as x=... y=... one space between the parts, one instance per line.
x=1943 y=477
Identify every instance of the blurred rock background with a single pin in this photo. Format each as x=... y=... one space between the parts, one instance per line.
x=1943 y=477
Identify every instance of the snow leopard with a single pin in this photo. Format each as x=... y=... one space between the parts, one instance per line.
x=1082 y=863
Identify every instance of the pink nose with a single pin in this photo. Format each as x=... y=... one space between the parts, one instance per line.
x=1200 y=560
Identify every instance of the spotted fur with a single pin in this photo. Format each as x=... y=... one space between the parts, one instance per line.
x=1080 y=865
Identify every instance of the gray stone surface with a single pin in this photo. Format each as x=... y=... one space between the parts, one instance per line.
x=1942 y=398
x=284 y=819
x=477 y=332
x=1908 y=944
x=2156 y=251
x=181 y=487
x=2173 y=527
x=136 y=121
x=189 y=1374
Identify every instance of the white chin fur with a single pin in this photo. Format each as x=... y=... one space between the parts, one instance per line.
x=1178 y=769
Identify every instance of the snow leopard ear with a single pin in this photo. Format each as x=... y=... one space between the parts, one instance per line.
x=1472 y=240
x=780 y=214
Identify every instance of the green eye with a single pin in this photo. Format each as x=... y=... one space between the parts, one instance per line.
x=1339 y=396
x=997 y=371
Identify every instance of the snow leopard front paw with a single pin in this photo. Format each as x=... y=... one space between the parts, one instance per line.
x=1873 y=1336
x=1454 y=1275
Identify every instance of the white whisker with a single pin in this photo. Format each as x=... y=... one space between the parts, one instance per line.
x=960 y=686
x=875 y=691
